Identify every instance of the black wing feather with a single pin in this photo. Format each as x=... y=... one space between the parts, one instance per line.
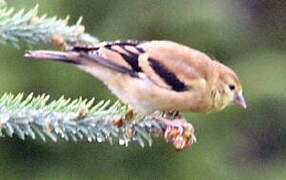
x=131 y=58
x=109 y=64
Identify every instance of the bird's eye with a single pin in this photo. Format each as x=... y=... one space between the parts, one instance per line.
x=231 y=87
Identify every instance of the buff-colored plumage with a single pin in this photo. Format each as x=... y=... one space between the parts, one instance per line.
x=156 y=75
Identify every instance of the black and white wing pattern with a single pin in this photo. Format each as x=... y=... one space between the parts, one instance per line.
x=137 y=57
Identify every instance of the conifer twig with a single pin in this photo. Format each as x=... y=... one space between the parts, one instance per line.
x=80 y=119
x=73 y=120
x=29 y=27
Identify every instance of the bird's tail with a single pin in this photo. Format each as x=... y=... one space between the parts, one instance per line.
x=69 y=57
x=79 y=58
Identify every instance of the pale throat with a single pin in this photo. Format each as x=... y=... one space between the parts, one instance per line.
x=218 y=102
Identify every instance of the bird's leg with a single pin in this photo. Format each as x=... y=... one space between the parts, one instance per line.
x=177 y=130
x=177 y=115
x=179 y=124
x=172 y=114
x=176 y=121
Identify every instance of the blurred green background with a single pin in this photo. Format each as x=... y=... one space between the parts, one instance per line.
x=247 y=35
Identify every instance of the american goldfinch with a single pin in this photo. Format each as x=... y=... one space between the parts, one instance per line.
x=156 y=75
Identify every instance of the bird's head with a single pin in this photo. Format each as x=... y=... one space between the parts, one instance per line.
x=229 y=88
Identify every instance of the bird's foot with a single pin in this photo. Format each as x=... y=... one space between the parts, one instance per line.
x=179 y=132
x=172 y=114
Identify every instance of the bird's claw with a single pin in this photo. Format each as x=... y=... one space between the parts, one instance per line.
x=179 y=132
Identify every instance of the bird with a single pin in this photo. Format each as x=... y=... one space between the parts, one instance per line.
x=156 y=75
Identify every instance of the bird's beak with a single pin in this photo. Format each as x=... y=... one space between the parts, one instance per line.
x=239 y=100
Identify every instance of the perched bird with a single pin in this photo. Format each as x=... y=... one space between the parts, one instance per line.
x=156 y=75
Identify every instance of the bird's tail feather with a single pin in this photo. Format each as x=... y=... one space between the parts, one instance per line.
x=53 y=55
x=79 y=58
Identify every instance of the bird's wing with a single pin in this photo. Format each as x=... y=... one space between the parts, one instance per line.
x=113 y=54
x=167 y=64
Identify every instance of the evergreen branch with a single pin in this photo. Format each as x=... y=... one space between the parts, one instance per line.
x=28 y=27
x=78 y=119
x=72 y=120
